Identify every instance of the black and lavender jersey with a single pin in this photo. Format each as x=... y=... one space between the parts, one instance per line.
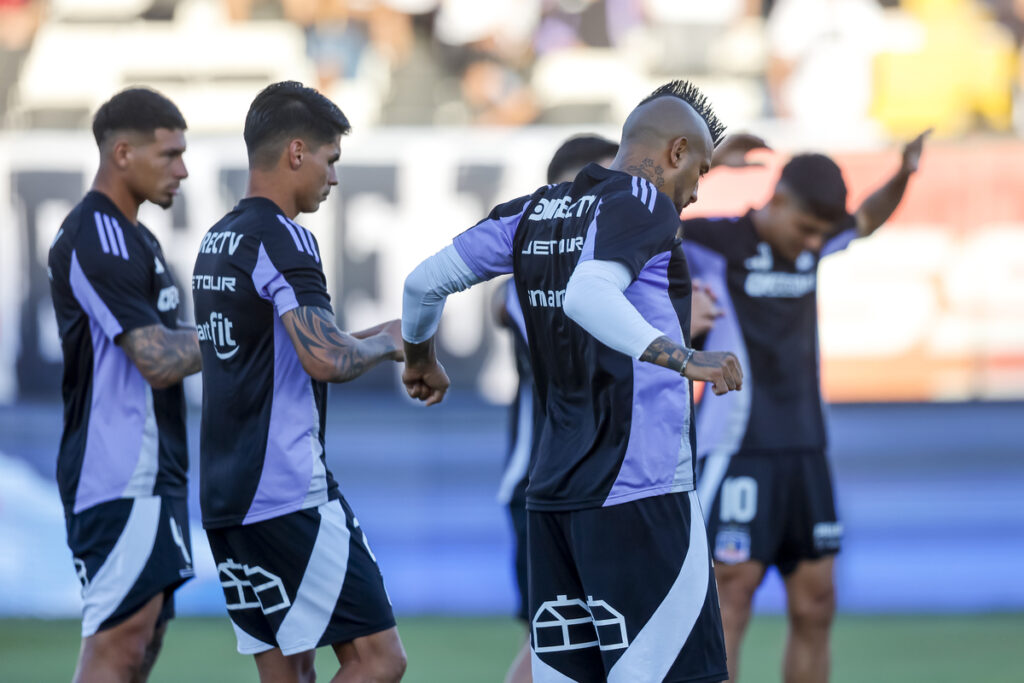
x=122 y=438
x=262 y=434
x=526 y=418
x=770 y=322
x=614 y=429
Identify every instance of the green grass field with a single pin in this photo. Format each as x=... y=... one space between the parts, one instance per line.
x=936 y=649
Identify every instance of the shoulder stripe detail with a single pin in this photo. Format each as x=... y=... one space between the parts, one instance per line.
x=102 y=232
x=645 y=191
x=304 y=241
x=111 y=235
x=120 y=238
x=291 y=231
x=307 y=239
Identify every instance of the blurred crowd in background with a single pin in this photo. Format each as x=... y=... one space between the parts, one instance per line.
x=898 y=65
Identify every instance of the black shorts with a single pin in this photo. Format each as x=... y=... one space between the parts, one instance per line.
x=126 y=551
x=774 y=508
x=300 y=581
x=624 y=593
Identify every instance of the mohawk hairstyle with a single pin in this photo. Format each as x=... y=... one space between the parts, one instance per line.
x=691 y=94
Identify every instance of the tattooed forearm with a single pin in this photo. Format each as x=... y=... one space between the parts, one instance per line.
x=327 y=353
x=163 y=356
x=666 y=353
x=649 y=170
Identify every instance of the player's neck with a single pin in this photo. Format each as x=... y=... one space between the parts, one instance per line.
x=268 y=187
x=118 y=193
x=762 y=223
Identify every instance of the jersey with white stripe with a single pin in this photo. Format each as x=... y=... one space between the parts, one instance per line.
x=262 y=433
x=770 y=322
x=121 y=438
x=614 y=429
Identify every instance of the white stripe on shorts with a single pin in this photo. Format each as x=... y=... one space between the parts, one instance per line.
x=544 y=672
x=249 y=644
x=310 y=613
x=119 y=572
x=655 y=649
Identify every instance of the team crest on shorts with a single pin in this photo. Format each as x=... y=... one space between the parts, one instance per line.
x=732 y=546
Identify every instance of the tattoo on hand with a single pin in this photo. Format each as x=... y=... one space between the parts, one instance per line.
x=649 y=170
x=666 y=353
x=163 y=356
x=317 y=333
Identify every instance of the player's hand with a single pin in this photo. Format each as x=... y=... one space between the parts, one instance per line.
x=427 y=382
x=733 y=151
x=720 y=368
x=912 y=152
x=390 y=333
x=704 y=309
x=393 y=330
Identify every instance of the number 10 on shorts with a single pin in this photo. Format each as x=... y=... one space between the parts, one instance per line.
x=738 y=500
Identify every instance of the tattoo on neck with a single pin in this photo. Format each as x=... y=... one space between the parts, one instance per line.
x=649 y=170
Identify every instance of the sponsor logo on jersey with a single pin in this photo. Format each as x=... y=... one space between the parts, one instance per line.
x=732 y=546
x=762 y=281
x=566 y=245
x=217 y=331
x=168 y=299
x=563 y=624
x=545 y=298
x=215 y=242
x=561 y=207
x=158 y=265
x=213 y=283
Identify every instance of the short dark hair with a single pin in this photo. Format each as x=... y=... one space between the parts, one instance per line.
x=691 y=94
x=818 y=183
x=577 y=152
x=287 y=110
x=136 y=109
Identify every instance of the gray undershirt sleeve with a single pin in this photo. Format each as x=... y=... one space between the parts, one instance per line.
x=594 y=299
x=427 y=287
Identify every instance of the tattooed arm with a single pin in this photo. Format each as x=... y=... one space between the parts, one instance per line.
x=721 y=368
x=163 y=356
x=330 y=355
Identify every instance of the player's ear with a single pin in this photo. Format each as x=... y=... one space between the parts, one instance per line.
x=120 y=152
x=677 y=151
x=296 y=150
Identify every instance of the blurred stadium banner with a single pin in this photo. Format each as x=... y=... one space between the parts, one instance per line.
x=930 y=308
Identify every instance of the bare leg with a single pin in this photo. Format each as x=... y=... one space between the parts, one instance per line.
x=736 y=586
x=275 y=667
x=118 y=654
x=811 y=599
x=376 y=658
x=519 y=672
x=152 y=651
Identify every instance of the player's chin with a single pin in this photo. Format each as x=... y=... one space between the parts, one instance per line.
x=164 y=201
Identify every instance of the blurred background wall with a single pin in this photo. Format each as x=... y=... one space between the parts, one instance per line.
x=458 y=104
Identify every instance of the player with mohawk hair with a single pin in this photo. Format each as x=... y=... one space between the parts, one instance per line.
x=620 y=580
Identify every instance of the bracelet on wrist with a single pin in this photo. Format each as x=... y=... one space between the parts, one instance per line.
x=686 y=361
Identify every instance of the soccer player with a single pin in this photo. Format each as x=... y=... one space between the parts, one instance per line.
x=295 y=565
x=764 y=478
x=526 y=417
x=619 y=572
x=123 y=459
